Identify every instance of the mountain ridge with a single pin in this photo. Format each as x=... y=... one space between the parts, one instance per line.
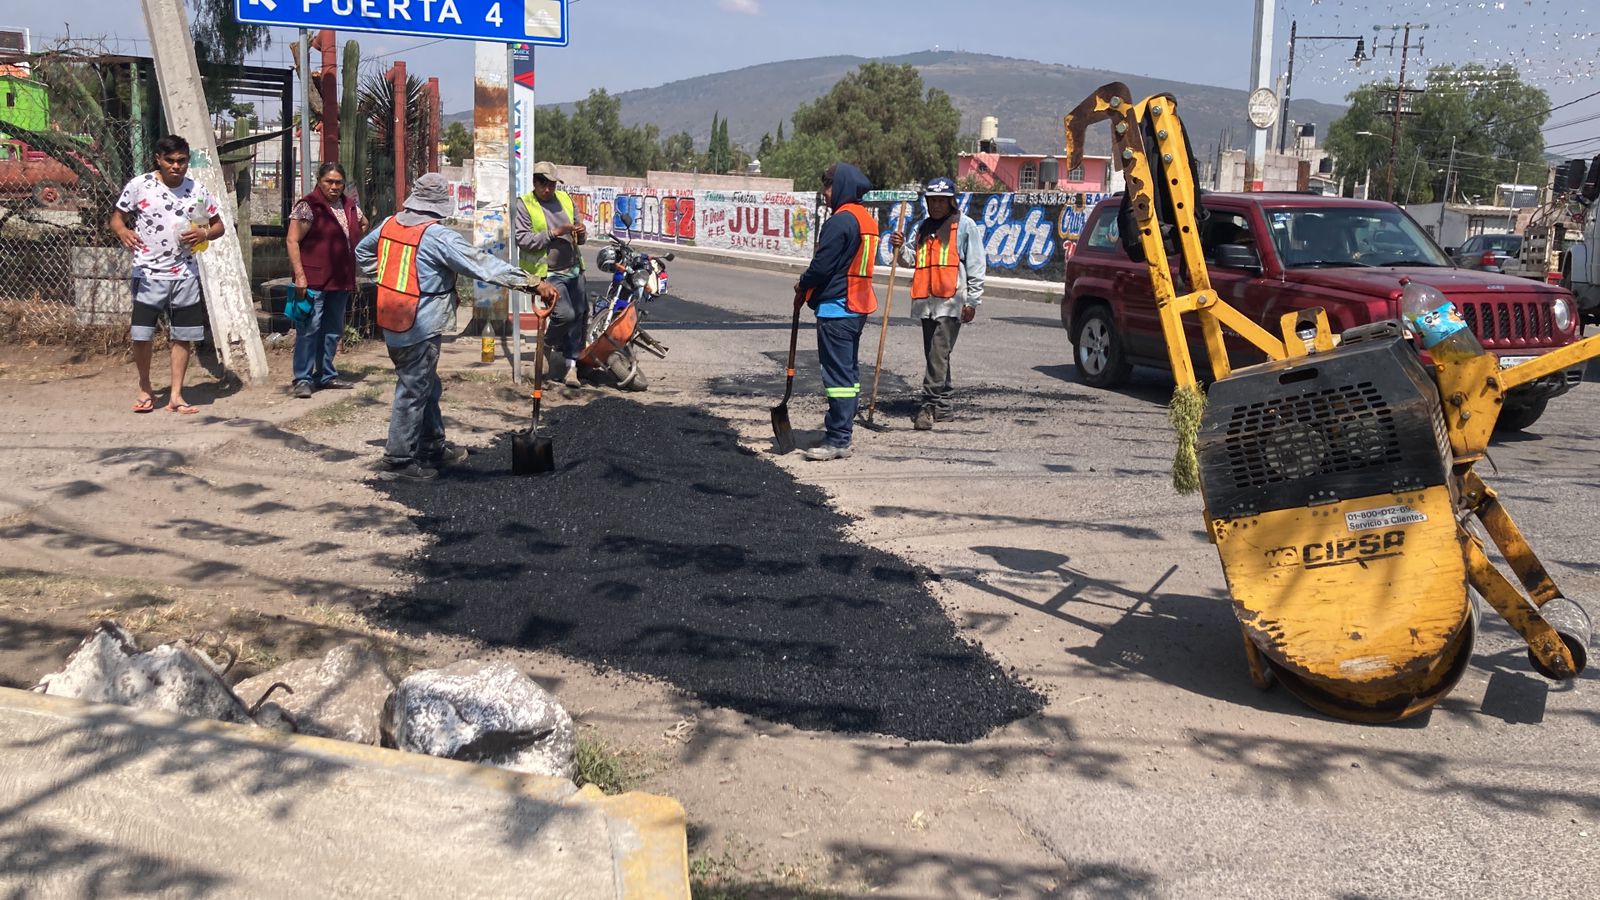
x=1029 y=98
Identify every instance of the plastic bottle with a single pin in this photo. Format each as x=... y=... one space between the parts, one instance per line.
x=486 y=347
x=1433 y=317
x=199 y=219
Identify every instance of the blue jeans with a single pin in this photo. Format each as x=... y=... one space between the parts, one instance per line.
x=567 y=332
x=838 y=343
x=416 y=429
x=315 y=344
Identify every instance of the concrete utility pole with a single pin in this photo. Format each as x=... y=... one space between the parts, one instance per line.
x=491 y=175
x=233 y=320
x=1260 y=77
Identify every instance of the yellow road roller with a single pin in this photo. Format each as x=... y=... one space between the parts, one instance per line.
x=1338 y=476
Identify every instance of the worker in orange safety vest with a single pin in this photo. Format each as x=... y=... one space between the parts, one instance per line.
x=946 y=290
x=838 y=288
x=416 y=260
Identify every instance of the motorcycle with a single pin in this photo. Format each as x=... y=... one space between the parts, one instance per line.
x=614 y=319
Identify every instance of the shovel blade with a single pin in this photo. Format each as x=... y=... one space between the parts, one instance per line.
x=532 y=454
x=781 y=431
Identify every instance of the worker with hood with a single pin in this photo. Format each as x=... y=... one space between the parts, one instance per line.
x=838 y=288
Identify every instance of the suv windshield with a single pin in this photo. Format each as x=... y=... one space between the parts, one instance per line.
x=1308 y=237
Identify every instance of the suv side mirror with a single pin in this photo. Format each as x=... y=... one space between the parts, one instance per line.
x=1238 y=256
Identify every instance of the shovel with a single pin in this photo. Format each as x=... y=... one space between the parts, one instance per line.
x=530 y=453
x=883 y=337
x=780 y=413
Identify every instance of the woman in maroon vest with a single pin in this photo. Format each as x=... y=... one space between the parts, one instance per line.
x=324 y=228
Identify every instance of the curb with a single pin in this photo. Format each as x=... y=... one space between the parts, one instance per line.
x=995 y=288
x=648 y=837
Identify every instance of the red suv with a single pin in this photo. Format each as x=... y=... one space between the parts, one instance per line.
x=1269 y=254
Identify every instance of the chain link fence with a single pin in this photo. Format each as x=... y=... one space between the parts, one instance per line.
x=74 y=127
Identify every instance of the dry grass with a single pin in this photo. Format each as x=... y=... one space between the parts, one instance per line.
x=35 y=323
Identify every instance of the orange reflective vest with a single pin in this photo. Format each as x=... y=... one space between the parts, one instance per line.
x=399 y=292
x=938 y=264
x=859 y=296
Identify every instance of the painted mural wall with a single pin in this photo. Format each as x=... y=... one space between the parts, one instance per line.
x=1028 y=235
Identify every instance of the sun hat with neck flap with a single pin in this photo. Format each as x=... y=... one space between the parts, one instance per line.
x=429 y=200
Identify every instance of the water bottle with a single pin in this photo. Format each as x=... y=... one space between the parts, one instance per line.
x=199 y=219
x=1432 y=316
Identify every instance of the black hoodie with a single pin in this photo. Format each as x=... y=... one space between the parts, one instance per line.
x=839 y=241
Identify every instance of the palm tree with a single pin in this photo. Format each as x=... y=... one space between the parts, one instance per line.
x=375 y=141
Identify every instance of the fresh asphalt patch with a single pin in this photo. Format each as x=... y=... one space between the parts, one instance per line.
x=662 y=547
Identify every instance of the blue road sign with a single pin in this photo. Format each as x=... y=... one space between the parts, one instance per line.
x=500 y=21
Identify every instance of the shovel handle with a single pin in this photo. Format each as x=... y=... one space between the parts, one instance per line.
x=538 y=370
x=883 y=336
x=794 y=343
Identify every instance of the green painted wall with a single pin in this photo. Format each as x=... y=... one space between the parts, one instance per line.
x=23 y=103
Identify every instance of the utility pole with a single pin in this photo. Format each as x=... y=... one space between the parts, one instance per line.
x=1400 y=93
x=234 y=330
x=1260 y=78
x=1449 y=173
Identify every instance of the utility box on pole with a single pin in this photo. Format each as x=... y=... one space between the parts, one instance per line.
x=222 y=271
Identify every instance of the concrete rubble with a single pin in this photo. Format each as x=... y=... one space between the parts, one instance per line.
x=472 y=711
x=340 y=696
x=108 y=667
x=482 y=712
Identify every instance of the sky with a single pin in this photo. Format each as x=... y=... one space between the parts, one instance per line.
x=626 y=44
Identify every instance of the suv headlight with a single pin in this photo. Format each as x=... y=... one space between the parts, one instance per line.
x=1561 y=313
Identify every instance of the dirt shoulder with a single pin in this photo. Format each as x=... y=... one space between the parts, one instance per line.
x=254 y=523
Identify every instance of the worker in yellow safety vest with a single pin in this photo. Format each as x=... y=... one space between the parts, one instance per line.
x=946 y=289
x=548 y=232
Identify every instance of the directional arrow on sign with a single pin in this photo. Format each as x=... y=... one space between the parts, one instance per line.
x=271 y=5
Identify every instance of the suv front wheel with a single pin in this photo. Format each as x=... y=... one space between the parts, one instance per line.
x=1097 y=349
x=1517 y=415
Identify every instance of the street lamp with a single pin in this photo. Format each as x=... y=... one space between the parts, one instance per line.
x=1366 y=186
x=1359 y=57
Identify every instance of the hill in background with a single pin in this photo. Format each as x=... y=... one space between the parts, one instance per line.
x=1028 y=97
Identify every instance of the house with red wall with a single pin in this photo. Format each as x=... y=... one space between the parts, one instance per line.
x=1009 y=170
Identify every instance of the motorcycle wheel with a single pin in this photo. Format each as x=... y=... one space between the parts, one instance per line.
x=625 y=369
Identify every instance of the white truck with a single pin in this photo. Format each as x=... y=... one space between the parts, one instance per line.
x=1580 y=261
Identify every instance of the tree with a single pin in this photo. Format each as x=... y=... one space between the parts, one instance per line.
x=1493 y=117
x=765 y=149
x=678 y=154
x=457 y=143
x=880 y=120
x=802 y=159
x=719 y=156
x=221 y=43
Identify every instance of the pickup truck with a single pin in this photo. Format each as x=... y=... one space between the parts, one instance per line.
x=1272 y=253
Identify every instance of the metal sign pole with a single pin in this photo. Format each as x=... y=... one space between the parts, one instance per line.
x=305 y=112
x=515 y=299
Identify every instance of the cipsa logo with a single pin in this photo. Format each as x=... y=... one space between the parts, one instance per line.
x=1351 y=551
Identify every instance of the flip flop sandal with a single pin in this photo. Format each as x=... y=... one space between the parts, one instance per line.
x=144 y=405
x=182 y=409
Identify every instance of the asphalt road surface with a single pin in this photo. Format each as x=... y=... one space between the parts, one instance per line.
x=1156 y=769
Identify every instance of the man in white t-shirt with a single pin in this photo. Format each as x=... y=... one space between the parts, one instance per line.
x=164 y=217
